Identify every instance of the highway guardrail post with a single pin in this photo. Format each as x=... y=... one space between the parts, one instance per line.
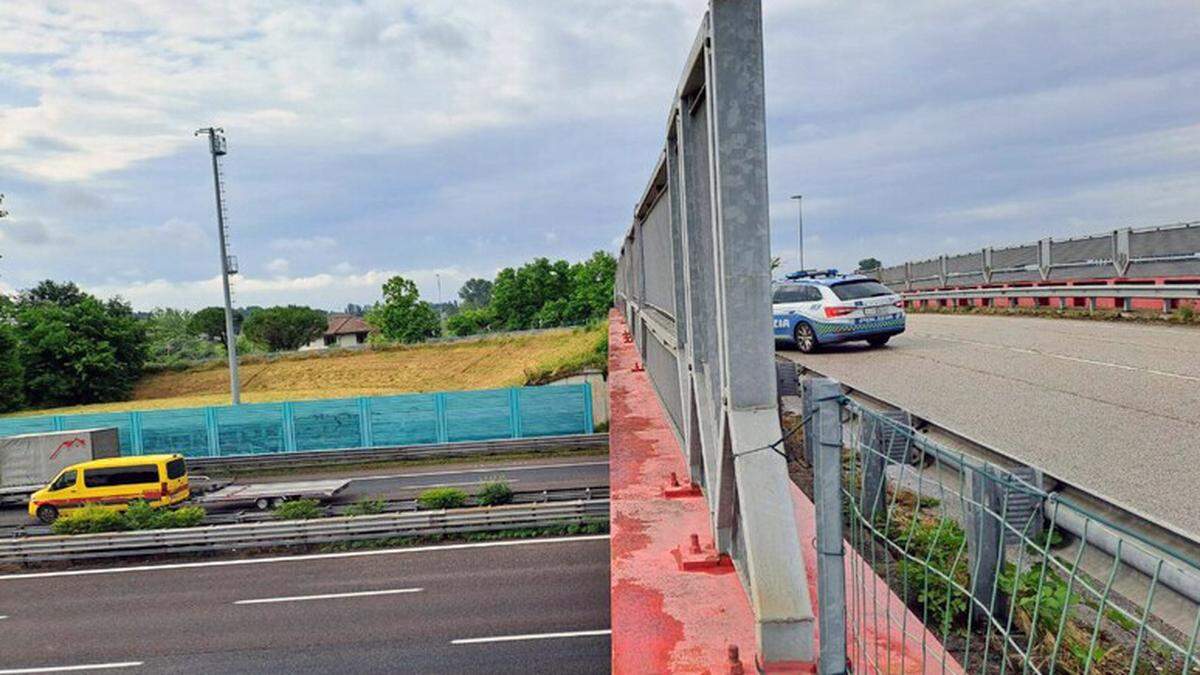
x=871 y=458
x=985 y=539
x=827 y=500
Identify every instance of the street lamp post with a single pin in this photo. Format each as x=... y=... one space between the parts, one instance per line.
x=800 y=239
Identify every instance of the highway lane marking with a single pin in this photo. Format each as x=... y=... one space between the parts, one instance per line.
x=530 y=636
x=302 y=557
x=1064 y=357
x=66 y=669
x=328 y=596
x=497 y=469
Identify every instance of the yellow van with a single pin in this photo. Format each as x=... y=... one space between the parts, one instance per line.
x=112 y=483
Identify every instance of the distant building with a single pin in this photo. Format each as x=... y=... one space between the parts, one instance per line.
x=344 y=330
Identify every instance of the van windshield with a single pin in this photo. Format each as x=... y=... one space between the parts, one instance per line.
x=66 y=480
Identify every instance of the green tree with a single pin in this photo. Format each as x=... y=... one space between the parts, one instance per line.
x=172 y=338
x=471 y=322
x=475 y=293
x=285 y=328
x=519 y=295
x=402 y=316
x=12 y=373
x=75 y=348
x=209 y=323
x=592 y=287
x=869 y=264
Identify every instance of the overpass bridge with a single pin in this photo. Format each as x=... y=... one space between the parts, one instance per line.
x=889 y=513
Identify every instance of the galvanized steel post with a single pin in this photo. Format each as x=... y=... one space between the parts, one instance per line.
x=827 y=501
x=694 y=281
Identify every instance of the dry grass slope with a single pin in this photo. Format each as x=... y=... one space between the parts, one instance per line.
x=501 y=361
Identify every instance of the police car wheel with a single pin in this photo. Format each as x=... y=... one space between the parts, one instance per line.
x=805 y=340
x=878 y=341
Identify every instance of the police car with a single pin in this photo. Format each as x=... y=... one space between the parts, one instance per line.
x=818 y=307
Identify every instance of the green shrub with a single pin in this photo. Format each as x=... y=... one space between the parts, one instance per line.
x=365 y=507
x=936 y=567
x=442 y=498
x=494 y=492
x=139 y=516
x=90 y=519
x=298 y=509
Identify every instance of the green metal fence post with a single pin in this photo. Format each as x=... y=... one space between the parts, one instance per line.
x=213 y=431
x=514 y=411
x=289 y=427
x=135 y=433
x=439 y=404
x=59 y=424
x=589 y=422
x=364 y=421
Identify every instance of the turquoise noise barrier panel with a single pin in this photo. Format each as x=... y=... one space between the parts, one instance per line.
x=332 y=424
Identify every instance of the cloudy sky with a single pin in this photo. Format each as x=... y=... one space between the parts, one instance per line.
x=450 y=139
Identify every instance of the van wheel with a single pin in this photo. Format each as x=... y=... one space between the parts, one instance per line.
x=878 y=341
x=47 y=514
x=806 y=341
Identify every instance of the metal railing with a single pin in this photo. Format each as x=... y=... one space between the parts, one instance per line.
x=693 y=283
x=1086 y=296
x=1152 y=252
x=1009 y=576
x=30 y=550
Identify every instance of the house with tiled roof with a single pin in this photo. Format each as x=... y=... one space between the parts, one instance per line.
x=344 y=330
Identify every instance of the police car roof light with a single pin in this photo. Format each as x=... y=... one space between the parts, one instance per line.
x=812 y=274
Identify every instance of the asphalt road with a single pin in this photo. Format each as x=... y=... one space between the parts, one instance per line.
x=1108 y=407
x=407 y=611
x=394 y=483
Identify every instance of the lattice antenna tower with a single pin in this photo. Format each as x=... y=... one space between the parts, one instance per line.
x=229 y=267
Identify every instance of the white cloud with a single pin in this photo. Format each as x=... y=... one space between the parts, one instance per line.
x=329 y=290
x=278 y=266
x=303 y=243
x=128 y=81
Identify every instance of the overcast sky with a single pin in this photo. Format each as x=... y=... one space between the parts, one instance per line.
x=430 y=138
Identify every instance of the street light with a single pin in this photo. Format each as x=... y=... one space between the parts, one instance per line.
x=800 y=247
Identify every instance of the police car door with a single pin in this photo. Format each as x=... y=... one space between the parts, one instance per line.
x=786 y=305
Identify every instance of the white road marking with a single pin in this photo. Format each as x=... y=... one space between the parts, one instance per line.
x=530 y=636
x=498 y=469
x=1064 y=357
x=302 y=557
x=329 y=596
x=66 y=669
x=3 y=617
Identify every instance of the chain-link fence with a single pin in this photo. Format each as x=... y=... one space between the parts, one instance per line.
x=1008 y=576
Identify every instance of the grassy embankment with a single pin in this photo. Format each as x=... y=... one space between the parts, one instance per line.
x=499 y=361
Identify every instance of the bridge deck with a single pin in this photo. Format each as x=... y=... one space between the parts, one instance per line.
x=1108 y=407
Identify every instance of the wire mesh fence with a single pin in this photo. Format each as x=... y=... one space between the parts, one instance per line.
x=1008 y=576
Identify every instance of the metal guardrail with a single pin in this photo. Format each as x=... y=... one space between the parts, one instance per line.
x=693 y=282
x=1003 y=571
x=389 y=506
x=332 y=458
x=1066 y=295
x=298 y=532
x=1151 y=252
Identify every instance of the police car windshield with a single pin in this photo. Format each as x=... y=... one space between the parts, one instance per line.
x=857 y=290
